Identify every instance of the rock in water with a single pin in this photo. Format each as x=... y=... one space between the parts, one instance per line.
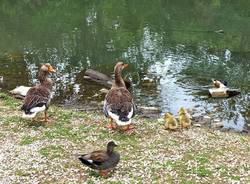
x=21 y=90
x=223 y=92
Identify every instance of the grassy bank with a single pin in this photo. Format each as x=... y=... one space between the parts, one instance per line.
x=46 y=153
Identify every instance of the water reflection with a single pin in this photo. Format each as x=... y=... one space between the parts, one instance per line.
x=172 y=52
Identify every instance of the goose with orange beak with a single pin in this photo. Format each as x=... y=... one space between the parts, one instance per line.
x=38 y=97
x=118 y=104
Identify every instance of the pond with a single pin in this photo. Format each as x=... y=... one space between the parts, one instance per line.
x=176 y=45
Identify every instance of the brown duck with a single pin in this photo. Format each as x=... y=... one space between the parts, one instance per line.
x=38 y=97
x=118 y=103
x=102 y=160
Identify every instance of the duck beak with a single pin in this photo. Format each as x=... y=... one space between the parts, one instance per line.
x=125 y=65
x=51 y=69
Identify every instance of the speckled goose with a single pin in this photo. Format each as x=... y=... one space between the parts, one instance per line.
x=38 y=97
x=118 y=103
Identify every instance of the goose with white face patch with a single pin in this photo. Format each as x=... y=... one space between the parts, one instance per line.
x=118 y=104
x=38 y=97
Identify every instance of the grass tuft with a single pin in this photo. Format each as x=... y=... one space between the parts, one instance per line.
x=52 y=152
x=27 y=140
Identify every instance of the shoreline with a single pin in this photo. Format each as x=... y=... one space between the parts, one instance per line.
x=46 y=153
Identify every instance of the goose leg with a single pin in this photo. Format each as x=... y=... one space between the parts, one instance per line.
x=111 y=125
x=45 y=116
x=128 y=127
x=103 y=173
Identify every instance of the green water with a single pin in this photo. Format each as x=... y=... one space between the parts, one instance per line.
x=178 y=44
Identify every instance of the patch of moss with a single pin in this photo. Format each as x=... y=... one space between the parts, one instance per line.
x=174 y=142
x=223 y=170
x=21 y=173
x=235 y=178
x=184 y=181
x=202 y=159
x=9 y=101
x=93 y=173
x=27 y=140
x=62 y=116
x=52 y=151
x=202 y=171
x=6 y=121
x=2 y=135
x=248 y=148
x=64 y=132
x=169 y=164
x=90 y=182
x=244 y=140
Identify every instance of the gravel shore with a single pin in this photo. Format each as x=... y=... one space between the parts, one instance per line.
x=47 y=153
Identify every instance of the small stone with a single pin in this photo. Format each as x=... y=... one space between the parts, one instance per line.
x=147 y=82
x=197 y=125
x=206 y=117
x=206 y=120
x=216 y=120
x=217 y=125
x=160 y=120
x=147 y=79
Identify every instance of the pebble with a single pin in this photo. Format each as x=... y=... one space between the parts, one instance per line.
x=207 y=117
x=217 y=125
x=161 y=120
x=216 y=120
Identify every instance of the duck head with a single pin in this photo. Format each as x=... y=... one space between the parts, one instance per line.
x=110 y=146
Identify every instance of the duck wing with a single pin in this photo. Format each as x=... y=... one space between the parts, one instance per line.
x=94 y=159
x=37 y=96
x=99 y=157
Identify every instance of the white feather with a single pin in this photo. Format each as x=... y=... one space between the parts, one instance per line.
x=38 y=109
x=122 y=123
x=29 y=115
x=130 y=114
x=34 y=111
x=113 y=116
x=118 y=122
x=90 y=161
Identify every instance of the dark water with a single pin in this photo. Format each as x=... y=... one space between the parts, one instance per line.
x=179 y=45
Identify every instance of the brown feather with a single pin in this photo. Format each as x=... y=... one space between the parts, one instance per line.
x=35 y=95
x=119 y=99
x=99 y=156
